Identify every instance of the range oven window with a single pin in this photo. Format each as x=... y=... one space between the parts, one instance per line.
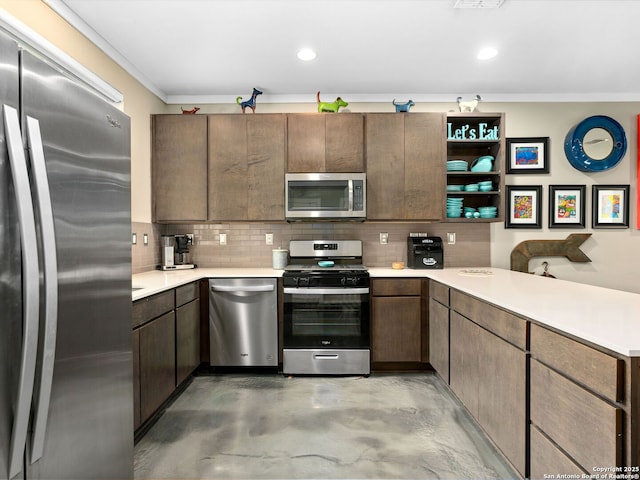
x=314 y=318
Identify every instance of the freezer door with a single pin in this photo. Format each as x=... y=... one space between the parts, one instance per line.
x=10 y=266
x=86 y=145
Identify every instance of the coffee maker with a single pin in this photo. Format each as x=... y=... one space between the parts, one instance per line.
x=174 y=252
x=425 y=252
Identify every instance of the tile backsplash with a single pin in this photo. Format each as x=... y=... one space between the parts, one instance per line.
x=246 y=245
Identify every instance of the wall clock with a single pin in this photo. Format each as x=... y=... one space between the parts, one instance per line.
x=595 y=144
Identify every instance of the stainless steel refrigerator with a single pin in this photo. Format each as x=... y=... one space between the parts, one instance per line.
x=66 y=408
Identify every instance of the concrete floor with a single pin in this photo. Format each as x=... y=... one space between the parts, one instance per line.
x=405 y=426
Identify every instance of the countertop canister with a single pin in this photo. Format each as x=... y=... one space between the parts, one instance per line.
x=280 y=256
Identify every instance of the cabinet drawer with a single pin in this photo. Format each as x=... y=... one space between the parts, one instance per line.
x=151 y=307
x=504 y=324
x=598 y=371
x=588 y=428
x=186 y=293
x=396 y=287
x=439 y=292
x=545 y=458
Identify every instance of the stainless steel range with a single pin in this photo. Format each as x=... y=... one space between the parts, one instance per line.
x=326 y=327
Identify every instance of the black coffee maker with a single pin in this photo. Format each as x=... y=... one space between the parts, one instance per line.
x=425 y=252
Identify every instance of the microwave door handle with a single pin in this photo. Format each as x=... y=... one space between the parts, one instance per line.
x=50 y=274
x=30 y=288
x=351 y=195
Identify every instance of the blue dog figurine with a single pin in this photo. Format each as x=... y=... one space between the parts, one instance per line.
x=251 y=103
x=403 y=107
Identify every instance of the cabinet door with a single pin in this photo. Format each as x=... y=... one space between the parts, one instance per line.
x=157 y=363
x=463 y=366
x=246 y=167
x=187 y=340
x=325 y=142
x=179 y=168
x=385 y=166
x=344 y=142
x=439 y=338
x=405 y=175
x=396 y=329
x=135 y=346
x=265 y=166
x=305 y=143
x=424 y=172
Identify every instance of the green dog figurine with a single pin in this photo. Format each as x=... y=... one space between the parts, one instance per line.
x=330 y=106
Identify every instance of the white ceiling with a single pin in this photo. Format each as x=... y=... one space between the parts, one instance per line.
x=204 y=51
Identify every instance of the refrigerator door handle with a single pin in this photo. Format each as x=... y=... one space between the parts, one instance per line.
x=50 y=273
x=30 y=289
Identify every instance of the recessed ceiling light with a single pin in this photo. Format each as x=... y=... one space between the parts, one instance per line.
x=487 y=53
x=306 y=54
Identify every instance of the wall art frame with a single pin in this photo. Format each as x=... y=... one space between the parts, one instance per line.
x=567 y=207
x=523 y=206
x=528 y=155
x=610 y=206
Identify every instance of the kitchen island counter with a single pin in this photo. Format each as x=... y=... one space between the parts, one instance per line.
x=603 y=316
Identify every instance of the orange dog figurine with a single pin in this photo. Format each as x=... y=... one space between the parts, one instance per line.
x=190 y=112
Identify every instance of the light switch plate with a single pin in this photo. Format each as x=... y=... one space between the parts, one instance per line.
x=223 y=239
x=451 y=238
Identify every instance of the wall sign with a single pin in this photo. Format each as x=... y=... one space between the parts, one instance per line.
x=481 y=131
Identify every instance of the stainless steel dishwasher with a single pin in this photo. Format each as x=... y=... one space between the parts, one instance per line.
x=243 y=322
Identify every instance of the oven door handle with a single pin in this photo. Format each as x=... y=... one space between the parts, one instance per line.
x=326 y=291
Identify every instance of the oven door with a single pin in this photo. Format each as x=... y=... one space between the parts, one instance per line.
x=326 y=318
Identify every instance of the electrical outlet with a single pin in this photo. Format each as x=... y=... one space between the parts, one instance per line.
x=384 y=238
x=268 y=238
x=145 y=239
x=223 y=239
x=134 y=238
x=451 y=238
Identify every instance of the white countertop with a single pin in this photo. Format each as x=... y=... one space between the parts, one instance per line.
x=605 y=317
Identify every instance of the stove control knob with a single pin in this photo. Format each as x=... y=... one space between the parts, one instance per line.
x=304 y=281
x=352 y=280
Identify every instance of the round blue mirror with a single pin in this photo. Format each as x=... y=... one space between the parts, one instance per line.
x=597 y=143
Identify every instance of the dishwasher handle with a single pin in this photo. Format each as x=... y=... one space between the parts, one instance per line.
x=241 y=289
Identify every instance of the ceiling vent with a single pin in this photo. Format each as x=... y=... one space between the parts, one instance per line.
x=478 y=3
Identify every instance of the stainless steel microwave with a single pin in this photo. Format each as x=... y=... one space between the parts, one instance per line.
x=326 y=196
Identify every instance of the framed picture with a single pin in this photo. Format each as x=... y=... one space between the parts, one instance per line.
x=527 y=155
x=566 y=206
x=610 y=206
x=524 y=206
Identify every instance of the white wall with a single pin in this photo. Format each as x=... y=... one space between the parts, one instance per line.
x=615 y=254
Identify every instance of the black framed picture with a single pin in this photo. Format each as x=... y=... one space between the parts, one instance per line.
x=523 y=204
x=610 y=206
x=528 y=155
x=567 y=206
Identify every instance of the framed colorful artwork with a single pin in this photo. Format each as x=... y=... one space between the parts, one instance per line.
x=610 y=206
x=527 y=155
x=566 y=206
x=523 y=205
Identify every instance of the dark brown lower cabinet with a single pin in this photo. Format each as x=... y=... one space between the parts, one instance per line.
x=396 y=320
x=488 y=374
x=439 y=338
x=187 y=340
x=157 y=363
x=135 y=347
